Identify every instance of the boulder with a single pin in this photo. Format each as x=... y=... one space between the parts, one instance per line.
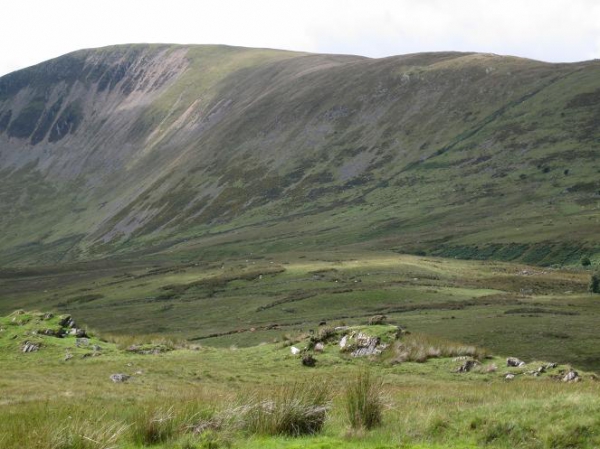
x=344 y=342
x=367 y=346
x=30 y=347
x=509 y=376
x=82 y=342
x=467 y=366
x=319 y=347
x=571 y=376
x=377 y=319
x=118 y=378
x=513 y=361
x=79 y=333
x=309 y=360
x=294 y=350
x=65 y=320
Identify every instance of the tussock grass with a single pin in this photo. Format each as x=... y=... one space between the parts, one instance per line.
x=420 y=348
x=295 y=409
x=363 y=401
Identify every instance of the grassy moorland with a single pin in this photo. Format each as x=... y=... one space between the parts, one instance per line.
x=527 y=311
x=182 y=395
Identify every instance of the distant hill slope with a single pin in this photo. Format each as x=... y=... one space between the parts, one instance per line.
x=144 y=148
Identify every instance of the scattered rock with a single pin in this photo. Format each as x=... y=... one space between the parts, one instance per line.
x=319 y=347
x=50 y=332
x=30 y=347
x=551 y=365
x=68 y=356
x=377 y=319
x=513 y=361
x=294 y=350
x=509 y=376
x=118 y=378
x=79 y=333
x=82 y=342
x=67 y=321
x=340 y=328
x=96 y=348
x=309 y=360
x=467 y=366
x=571 y=376
x=344 y=342
x=48 y=316
x=367 y=346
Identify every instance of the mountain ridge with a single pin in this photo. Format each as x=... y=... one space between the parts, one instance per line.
x=117 y=149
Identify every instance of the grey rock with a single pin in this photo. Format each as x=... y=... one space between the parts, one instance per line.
x=513 y=361
x=79 y=342
x=79 y=333
x=509 y=376
x=571 y=376
x=467 y=366
x=30 y=347
x=119 y=377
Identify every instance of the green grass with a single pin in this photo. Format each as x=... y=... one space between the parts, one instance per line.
x=530 y=312
x=259 y=396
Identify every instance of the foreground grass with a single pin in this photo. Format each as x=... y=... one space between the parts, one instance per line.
x=259 y=397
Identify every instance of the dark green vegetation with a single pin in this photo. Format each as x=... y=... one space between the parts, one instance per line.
x=144 y=149
x=186 y=396
x=530 y=312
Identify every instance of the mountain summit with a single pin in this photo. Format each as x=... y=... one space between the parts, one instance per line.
x=139 y=149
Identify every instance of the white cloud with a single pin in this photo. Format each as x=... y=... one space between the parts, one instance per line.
x=552 y=30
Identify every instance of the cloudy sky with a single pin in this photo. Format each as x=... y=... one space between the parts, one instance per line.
x=32 y=31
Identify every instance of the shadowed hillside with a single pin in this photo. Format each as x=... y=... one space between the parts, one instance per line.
x=141 y=149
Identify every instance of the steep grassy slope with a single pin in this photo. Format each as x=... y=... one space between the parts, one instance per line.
x=220 y=150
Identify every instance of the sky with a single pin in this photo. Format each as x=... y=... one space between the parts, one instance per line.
x=32 y=31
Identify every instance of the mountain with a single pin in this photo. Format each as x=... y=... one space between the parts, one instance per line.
x=136 y=150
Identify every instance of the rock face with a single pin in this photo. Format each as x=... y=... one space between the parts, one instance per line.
x=361 y=344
